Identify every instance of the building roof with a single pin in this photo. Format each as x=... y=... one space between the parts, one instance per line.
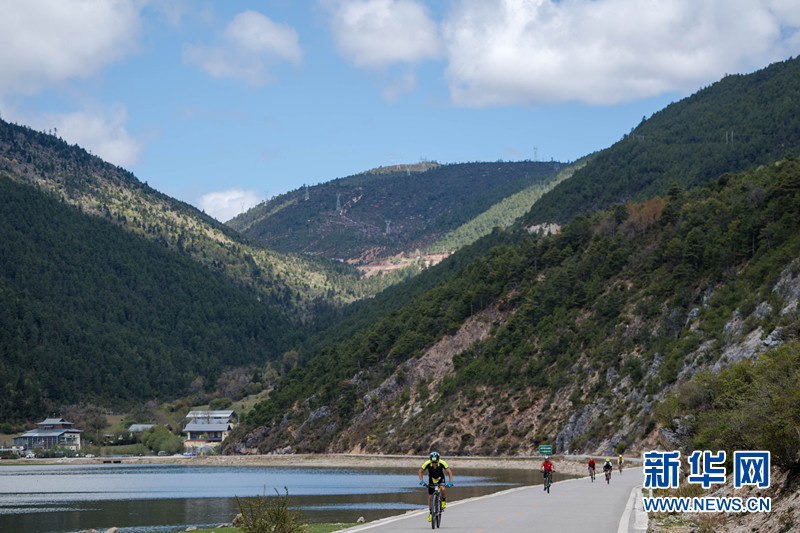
x=211 y=414
x=49 y=432
x=54 y=422
x=140 y=428
x=209 y=426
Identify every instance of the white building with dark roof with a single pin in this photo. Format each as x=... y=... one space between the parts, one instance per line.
x=51 y=433
x=207 y=429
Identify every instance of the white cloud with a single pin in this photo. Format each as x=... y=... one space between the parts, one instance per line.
x=224 y=205
x=176 y=12
x=100 y=130
x=504 y=52
x=103 y=132
x=249 y=46
x=49 y=41
x=378 y=33
x=396 y=87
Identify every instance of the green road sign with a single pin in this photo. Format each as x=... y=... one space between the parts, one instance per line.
x=545 y=449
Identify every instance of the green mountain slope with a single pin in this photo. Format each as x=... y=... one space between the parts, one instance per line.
x=296 y=284
x=570 y=339
x=734 y=124
x=720 y=411
x=92 y=313
x=381 y=213
x=599 y=320
x=503 y=214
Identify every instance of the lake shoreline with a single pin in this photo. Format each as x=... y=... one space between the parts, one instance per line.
x=169 y=491
x=568 y=465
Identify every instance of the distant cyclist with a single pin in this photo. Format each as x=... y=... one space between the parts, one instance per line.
x=547 y=469
x=591 y=467
x=436 y=469
x=620 y=460
x=608 y=468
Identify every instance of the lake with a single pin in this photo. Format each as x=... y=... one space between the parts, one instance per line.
x=67 y=498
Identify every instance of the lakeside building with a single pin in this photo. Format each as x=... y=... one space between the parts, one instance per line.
x=207 y=429
x=51 y=433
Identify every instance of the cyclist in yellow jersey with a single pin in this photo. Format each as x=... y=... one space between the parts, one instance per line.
x=436 y=469
x=620 y=460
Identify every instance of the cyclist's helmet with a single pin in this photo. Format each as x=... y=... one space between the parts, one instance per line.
x=435 y=456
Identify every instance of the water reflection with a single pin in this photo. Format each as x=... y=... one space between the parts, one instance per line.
x=147 y=498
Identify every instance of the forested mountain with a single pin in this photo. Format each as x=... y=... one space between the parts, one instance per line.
x=140 y=299
x=397 y=209
x=736 y=123
x=297 y=284
x=90 y=312
x=573 y=339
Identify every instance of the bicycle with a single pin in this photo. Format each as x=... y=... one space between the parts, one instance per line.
x=591 y=473
x=620 y=468
x=548 y=480
x=608 y=476
x=436 y=505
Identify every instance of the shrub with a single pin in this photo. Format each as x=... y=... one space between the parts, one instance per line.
x=751 y=405
x=220 y=403
x=260 y=514
x=160 y=439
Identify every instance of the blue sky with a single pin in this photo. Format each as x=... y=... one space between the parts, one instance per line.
x=223 y=104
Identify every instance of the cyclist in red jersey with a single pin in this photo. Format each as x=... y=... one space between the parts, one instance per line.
x=591 y=465
x=547 y=469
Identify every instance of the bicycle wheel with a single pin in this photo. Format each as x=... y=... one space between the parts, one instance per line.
x=435 y=509
x=439 y=511
x=437 y=518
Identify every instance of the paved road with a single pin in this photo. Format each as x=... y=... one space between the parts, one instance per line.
x=575 y=505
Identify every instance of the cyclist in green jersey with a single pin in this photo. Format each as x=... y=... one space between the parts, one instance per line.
x=436 y=469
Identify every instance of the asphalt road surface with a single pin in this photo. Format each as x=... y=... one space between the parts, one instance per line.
x=573 y=506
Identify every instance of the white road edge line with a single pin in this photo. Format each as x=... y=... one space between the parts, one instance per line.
x=421 y=512
x=625 y=519
x=641 y=520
